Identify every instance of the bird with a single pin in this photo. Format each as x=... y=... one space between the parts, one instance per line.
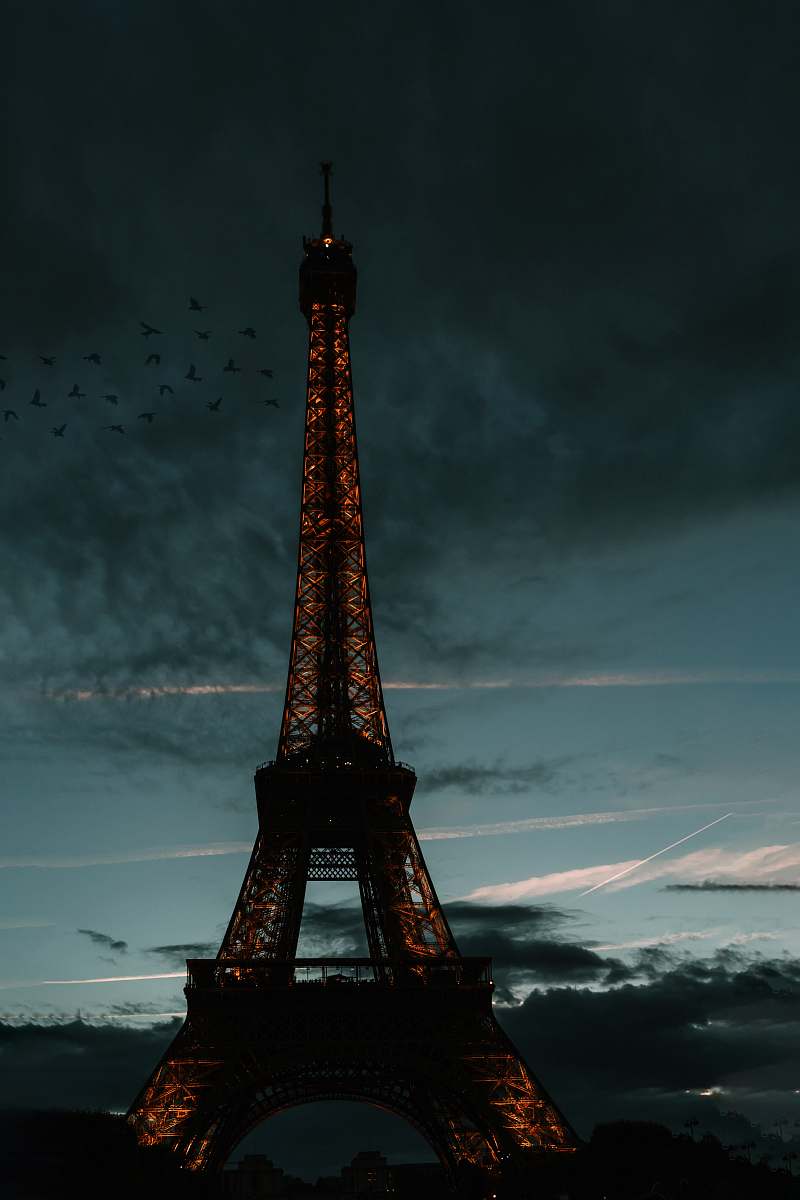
x=265 y=371
x=232 y=367
x=213 y=406
x=111 y=398
x=146 y=417
x=248 y=332
x=37 y=401
x=268 y=403
x=195 y=305
x=148 y=329
x=203 y=334
x=48 y=362
x=76 y=393
x=163 y=388
x=115 y=428
x=94 y=357
x=152 y=360
x=58 y=430
x=192 y=374
x=8 y=413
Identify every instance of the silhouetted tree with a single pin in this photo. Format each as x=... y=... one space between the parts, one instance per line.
x=87 y=1154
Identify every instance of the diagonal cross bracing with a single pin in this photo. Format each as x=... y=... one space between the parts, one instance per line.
x=333 y=692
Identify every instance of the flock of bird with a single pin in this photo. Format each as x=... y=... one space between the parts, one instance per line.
x=152 y=360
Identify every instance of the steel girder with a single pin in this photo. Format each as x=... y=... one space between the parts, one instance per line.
x=333 y=692
x=266 y=919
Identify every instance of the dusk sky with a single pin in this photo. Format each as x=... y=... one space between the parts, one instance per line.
x=576 y=360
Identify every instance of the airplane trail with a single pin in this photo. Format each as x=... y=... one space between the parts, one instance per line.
x=21 y=984
x=116 y=978
x=672 y=846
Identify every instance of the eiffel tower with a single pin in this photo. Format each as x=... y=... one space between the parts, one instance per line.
x=410 y=1028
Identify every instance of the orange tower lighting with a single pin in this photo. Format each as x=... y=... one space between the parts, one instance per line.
x=409 y=1028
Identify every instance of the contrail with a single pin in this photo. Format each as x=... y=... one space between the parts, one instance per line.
x=672 y=846
x=152 y=854
x=119 y=978
x=103 y=979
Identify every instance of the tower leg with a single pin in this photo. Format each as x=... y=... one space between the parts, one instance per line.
x=267 y=916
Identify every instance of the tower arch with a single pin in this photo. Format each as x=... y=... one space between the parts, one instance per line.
x=405 y=1108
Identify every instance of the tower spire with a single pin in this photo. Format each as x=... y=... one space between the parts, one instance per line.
x=326 y=169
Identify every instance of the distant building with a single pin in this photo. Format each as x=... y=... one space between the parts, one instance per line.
x=369 y=1174
x=255 y=1176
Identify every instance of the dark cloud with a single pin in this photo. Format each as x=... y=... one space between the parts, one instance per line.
x=223 y=730
x=709 y=885
x=513 y=919
x=136 y=1008
x=468 y=920
x=629 y=351
x=105 y=941
x=177 y=954
x=524 y=944
x=474 y=779
x=77 y=1065
x=729 y=1022
x=330 y=929
x=544 y=961
x=521 y=940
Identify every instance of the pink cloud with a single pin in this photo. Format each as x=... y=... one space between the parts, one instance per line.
x=764 y=864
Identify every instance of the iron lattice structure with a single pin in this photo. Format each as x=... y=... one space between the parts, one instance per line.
x=333 y=693
x=411 y=1027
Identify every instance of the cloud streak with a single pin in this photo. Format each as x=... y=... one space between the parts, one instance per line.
x=23 y=923
x=59 y=862
x=665 y=939
x=765 y=864
x=628 y=679
x=35 y=983
x=566 y=821
x=710 y=885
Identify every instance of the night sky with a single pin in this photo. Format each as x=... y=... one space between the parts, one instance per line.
x=577 y=375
